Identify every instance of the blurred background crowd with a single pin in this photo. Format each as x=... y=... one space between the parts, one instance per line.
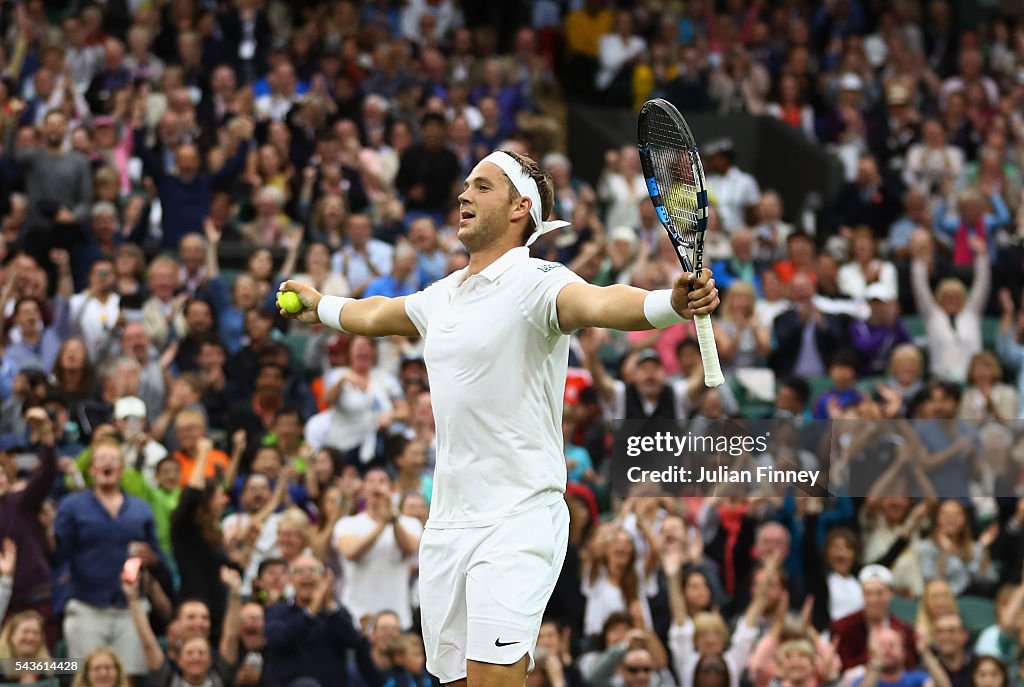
x=194 y=492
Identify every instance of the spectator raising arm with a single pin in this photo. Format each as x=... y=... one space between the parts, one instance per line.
x=931 y=664
x=232 y=617
x=154 y=655
x=591 y=340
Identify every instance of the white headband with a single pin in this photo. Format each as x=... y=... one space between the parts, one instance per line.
x=527 y=187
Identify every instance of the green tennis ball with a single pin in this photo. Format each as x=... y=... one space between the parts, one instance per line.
x=289 y=301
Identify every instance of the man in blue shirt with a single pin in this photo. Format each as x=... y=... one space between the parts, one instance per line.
x=308 y=636
x=97 y=531
x=403 y=280
x=886 y=665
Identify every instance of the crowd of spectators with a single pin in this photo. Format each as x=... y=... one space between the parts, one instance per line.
x=195 y=491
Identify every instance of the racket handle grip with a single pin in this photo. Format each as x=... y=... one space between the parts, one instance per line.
x=708 y=351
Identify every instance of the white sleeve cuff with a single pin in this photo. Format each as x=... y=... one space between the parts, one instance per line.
x=659 y=311
x=329 y=311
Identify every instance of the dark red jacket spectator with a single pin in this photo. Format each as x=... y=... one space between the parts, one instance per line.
x=852 y=632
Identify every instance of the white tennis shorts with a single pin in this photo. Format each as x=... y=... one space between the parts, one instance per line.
x=483 y=590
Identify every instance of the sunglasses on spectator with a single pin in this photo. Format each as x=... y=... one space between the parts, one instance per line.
x=638 y=669
x=311 y=569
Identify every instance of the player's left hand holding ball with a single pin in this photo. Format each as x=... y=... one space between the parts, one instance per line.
x=309 y=299
x=697 y=298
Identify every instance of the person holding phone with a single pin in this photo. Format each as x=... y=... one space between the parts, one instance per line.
x=91 y=529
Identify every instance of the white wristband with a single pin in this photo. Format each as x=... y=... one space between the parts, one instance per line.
x=659 y=311
x=329 y=311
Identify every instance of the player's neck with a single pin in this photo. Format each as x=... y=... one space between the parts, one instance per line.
x=484 y=258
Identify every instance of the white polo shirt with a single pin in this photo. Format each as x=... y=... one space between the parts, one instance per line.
x=497 y=362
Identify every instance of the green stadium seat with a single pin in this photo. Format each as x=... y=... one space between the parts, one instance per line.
x=915 y=327
x=296 y=343
x=748 y=406
x=977 y=613
x=989 y=332
x=229 y=276
x=904 y=609
x=868 y=384
x=819 y=385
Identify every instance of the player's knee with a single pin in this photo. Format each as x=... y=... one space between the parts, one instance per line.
x=457 y=683
x=496 y=675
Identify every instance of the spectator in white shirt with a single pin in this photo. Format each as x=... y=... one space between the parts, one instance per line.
x=618 y=51
x=95 y=312
x=283 y=93
x=952 y=317
x=83 y=60
x=770 y=231
x=933 y=163
x=253 y=530
x=622 y=187
x=865 y=269
x=362 y=397
x=736 y=192
x=377 y=547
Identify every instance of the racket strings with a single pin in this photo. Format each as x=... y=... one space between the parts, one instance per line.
x=673 y=170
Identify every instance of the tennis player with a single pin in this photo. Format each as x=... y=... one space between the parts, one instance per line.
x=496 y=350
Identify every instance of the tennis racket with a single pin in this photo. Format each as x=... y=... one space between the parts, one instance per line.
x=675 y=182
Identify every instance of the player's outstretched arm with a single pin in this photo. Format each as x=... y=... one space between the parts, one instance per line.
x=626 y=308
x=374 y=316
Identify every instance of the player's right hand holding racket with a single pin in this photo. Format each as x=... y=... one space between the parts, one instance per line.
x=695 y=294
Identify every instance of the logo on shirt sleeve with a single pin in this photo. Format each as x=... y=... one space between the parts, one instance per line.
x=548 y=266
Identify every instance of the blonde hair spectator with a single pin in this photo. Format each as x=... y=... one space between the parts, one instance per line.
x=101 y=668
x=22 y=637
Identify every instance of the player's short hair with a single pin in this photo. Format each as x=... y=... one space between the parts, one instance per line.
x=545 y=186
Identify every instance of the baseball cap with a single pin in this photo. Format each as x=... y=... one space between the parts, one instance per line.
x=648 y=354
x=103 y=121
x=717 y=147
x=875 y=573
x=850 y=82
x=627 y=234
x=585 y=494
x=129 y=406
x=879 y=292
